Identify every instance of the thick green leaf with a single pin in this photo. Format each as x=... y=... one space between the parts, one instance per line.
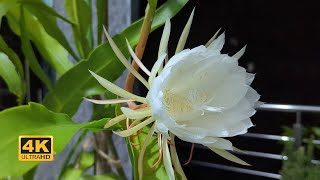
x=11 y=76
x=151 y=156
x=48 y=47
x=47 y=17
x=12 y=55
x=79 y=12
x=101 y=6
x=29 y=54
x=5 y=5
x=78 y=82
x=33 y=119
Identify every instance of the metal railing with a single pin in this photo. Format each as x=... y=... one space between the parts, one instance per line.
x=297 y=138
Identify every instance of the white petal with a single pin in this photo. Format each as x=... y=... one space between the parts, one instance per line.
x=109 y=101
x=184 y=34
x=167 y=159
x=133 y=130
x=229 y=156
x=136 y=114
x=213 y=38
x=239 y=54
x=217 y=44
x=137 y=60
x=117 y=90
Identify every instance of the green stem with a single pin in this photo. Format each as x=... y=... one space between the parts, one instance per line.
x=74 y=148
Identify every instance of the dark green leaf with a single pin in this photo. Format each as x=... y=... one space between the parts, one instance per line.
x=79 y=12
x=33 y=119
x=12 y=55
x=5 y=5
x=102 y=19
x=78 y=82
x=49 y=48
x=47 y=17
x=29 y=54
x=11 y=77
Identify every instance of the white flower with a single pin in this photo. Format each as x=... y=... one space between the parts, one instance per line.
x=200 y=96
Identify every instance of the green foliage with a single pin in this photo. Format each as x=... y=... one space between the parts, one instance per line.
x=28 y=51
x=50 y=49
x=299 y=166
x=10 y=75
x=79 y=12
x=77 y=82
x=101 y=6
x=151 y=156
x=34 y=119
x=12 y=56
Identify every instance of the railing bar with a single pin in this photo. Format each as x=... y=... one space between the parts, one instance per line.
x=236 y=169
x=275 y=137
x=289 y=108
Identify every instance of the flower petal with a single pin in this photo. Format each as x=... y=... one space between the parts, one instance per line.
x=239 y=54
x=156 y=68
x=133 y=130
x=109 y=101
x=225 y=154
x=175 y=158
x=115 y=120
x=117 y=90
x=213 y=38
x=123 y=59
x=167 y=159
x=136 y=114
x=137 y=60
x=217 y=44
x=184 y=35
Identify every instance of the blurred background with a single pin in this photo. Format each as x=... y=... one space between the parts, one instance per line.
x=282 y=39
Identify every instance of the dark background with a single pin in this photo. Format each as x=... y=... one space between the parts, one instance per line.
x=283 y=48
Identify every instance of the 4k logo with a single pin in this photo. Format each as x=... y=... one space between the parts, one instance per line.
x=35 y=148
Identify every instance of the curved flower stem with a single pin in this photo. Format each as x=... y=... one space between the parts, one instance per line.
x=144 y=34
x=190 y=156
x=175 y=158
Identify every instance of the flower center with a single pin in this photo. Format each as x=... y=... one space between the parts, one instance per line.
x=176 y=103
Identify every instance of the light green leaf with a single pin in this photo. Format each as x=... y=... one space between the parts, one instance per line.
x=33 y=119
x=48 y=47
x=78 y=82
x=29 y=54
x=151 y=156
x=102 y=177
x=102 y=19
x=12 y=56
x=79 y=12
x=47 y=17
x=11 y=77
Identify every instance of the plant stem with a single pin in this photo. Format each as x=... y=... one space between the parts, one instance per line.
x=144 y=34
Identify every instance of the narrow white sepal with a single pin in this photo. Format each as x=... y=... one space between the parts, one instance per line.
x=155 y=68
x=164 y=38
x=167 y=159
x=136 y=114
x=213 y=38
x=108 y=101
x=240 y=53
x=134 y=129
x=136 y=59
x=115 y=120
x=143 y=150
x=185 y=34
x=175 y=158
x=218 y=43
x=116 y=89
x=225 y=154
x=123 y=59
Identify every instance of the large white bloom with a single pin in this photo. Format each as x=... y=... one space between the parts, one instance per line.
x=200 y=96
